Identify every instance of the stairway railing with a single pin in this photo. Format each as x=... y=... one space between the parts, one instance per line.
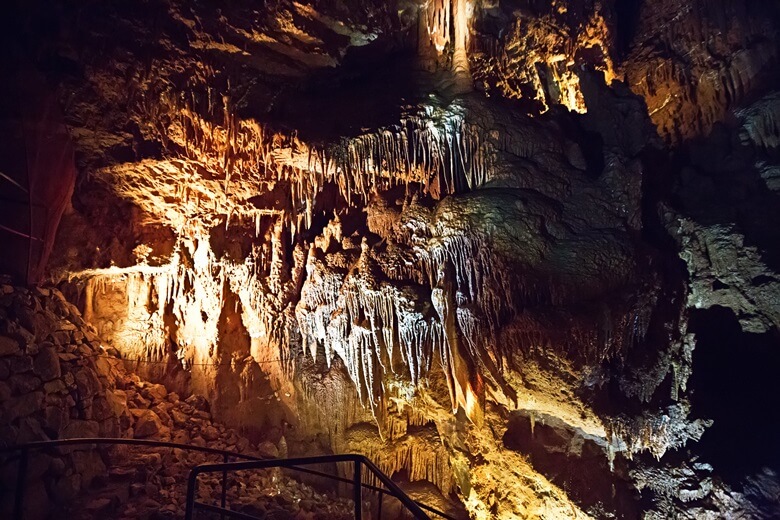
x=249 y=462
x=358 y=463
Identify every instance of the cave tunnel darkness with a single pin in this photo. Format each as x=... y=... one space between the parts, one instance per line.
x=735 y=384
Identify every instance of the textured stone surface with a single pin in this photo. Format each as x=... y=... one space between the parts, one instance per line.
x=375 y=227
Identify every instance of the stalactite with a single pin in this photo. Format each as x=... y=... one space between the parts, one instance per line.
x=421 y=455
x=439 y=19
x=657 y=432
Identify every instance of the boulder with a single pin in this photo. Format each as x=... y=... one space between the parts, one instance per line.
x=65 y=488
x=210 y=433
x=89 y=464
x=155 y=393
x=8 y=346
x=5 y=392
x=47 y=364
x=87 y=383
x=179 y=417
x=147 y=424
x=55 y=418
x=198 y=402
x=55 y=386
x=24 y=383
x=79 y=429
x=23 y=406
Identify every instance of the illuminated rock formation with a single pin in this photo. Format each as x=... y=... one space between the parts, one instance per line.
x=475 y=240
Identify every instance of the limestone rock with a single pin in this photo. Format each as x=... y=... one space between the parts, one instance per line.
x=22 y=406
x=210 y=433
x=198 y=402
x=47 y=364
x=147 y=424
x=8 y=346
x=80 y=429
x=155 y=392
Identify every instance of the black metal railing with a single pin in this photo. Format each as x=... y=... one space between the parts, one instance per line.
x=248 y=462
x=358 y=463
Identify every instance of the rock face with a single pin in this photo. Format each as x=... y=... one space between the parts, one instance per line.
x=481 y=242
x=56 y=382
x=93 y=395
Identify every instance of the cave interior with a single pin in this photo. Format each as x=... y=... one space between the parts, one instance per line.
x=523 y=255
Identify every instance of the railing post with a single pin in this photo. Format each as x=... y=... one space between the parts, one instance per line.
x=223 y=501
x=357 y=490
x=21 y=484
x=379 y=507
x=191 y=488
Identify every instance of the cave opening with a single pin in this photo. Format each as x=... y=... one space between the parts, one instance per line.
x=627 y=13
x=734 y=383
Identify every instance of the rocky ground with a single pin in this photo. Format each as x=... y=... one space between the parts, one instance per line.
x=57 y=382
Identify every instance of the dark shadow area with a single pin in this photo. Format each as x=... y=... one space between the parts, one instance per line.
x=627 y=14
x=368 y=91
x=574 y=462
x=735 y=383
x=719 y=183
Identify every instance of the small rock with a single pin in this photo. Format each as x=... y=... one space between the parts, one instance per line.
x=181 y=437
x=268 y=449
x=99 y=506
x=242 y=443
x=60 y=337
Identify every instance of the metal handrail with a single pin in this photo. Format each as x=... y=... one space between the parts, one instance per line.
x=24 y=450
x=294 y=464
x=110 y=440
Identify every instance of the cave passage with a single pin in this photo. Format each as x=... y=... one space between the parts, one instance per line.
x=735 y=383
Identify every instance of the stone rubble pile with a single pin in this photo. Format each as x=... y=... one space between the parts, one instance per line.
x=58 y=382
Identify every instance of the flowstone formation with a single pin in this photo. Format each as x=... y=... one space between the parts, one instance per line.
x=480 y=242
